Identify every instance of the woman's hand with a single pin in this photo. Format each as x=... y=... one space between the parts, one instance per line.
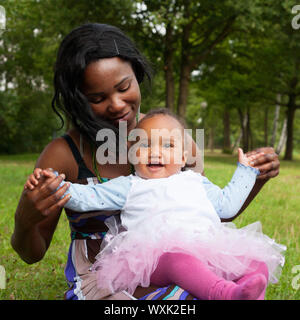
x=247 y=160
x=267 y=162
x=42 y=195
x=37 y=215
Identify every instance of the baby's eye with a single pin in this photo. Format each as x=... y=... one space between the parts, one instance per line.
x=144 y=145
x=168 y=145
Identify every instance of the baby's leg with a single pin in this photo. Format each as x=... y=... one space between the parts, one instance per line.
x=192 y=275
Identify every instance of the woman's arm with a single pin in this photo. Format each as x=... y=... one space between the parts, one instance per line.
x=38 y=211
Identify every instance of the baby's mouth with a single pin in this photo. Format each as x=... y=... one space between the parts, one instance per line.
x=155 y=164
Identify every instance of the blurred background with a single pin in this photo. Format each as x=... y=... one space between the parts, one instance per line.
x=230 y=67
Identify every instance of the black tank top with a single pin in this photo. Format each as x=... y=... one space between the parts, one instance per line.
x=83 y=171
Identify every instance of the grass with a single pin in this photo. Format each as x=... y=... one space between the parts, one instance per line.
x=45 y=279
x=277 y=206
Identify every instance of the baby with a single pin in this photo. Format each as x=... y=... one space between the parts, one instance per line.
x=170 y=230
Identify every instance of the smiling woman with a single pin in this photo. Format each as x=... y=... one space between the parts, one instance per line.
x=112 y=91
x=97 y=77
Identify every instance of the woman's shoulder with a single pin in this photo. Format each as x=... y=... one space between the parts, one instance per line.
x=58 y=156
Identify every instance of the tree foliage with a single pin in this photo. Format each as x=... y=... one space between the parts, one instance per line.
x=234 y=57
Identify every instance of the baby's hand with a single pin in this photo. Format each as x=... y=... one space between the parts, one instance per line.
x=32 y=180
x=247 y=160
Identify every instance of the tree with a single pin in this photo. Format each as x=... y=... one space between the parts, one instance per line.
x=280 y=57
x=28 y=49
x=189 y=31
x=259 y=66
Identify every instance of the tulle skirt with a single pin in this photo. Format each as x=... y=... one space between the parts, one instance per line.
x=128 y=257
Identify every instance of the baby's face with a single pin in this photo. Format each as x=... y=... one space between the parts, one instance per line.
x=160 y=152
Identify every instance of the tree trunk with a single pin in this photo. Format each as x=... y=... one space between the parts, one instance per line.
x=244 y=120
x=249 y=139
x=183 y=89
x=244 y=127
x=185 y=68
x=290 y=127
x=169 y=71
x=266 y=125
x=211 y=139
x=190 y=60
x=282 y=139
x=275 y=123
x=226 y=131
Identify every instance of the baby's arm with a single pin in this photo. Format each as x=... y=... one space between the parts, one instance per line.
x=110 y=195
x=33 y=178
x=229 y=200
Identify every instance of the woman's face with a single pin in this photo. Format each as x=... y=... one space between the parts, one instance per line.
x=112 y=90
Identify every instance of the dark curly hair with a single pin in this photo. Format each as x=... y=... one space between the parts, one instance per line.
x=83 y=45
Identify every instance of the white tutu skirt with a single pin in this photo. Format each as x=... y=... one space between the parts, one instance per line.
x=128 y=257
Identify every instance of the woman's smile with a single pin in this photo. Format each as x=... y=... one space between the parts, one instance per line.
x=113 y=92
x=124 y=117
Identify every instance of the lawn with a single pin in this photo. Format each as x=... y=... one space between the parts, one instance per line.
x=277 y=207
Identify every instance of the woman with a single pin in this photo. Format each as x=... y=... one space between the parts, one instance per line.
x=97 y=77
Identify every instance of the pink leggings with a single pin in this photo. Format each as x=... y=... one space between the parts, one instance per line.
x=192 y=275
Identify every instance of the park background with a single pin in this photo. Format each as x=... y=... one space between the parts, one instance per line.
x=228 y=67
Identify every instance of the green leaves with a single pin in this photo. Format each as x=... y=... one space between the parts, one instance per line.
x=243 y=51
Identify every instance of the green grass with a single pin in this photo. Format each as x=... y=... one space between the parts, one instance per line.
x=45 y=279
x=277 y=207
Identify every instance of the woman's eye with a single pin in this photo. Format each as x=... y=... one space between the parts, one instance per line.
x=96 y=101
x=125 y=87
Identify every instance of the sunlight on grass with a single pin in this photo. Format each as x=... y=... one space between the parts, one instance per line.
x=277 y=207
